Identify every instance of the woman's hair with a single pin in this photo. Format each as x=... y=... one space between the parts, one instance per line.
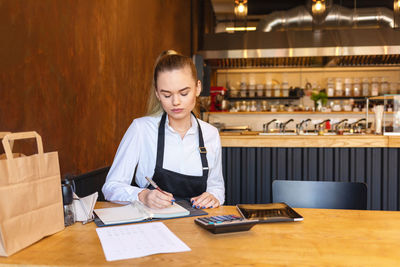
x=167 y=61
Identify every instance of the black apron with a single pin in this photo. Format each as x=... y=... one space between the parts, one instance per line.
x=180 y=185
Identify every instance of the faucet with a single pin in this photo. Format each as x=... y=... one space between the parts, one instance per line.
x=299 y=126
x=338 y=123
x=282 y=126
x=354 y=125
x=266 y=125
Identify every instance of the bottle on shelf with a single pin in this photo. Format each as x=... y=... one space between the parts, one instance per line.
x=356 y=87
x=375 y=86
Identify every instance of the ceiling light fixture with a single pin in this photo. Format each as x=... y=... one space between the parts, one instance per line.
x=241 y=8
x=240 y=29
x=396 y=13
x=318 y=7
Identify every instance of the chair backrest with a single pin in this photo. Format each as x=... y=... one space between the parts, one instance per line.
x=320 y=194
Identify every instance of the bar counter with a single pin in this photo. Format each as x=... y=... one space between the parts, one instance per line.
x=255 y=140
x=252 y=162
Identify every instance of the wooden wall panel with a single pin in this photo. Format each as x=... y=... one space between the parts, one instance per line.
x=78 y=72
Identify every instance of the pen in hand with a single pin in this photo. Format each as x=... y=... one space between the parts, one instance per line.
x=156 y=186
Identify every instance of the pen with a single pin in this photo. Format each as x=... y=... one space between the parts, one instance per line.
x=155 y=185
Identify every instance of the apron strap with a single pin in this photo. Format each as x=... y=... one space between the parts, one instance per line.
x=161 y=143
x=203 y=150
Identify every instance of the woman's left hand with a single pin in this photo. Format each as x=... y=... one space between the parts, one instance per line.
x=204 y=201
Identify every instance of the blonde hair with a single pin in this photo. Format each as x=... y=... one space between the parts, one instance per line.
x=167 y=61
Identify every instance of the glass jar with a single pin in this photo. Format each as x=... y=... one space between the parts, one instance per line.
x=264 y=105
x=285 y=89
x=365 y=87
x=253 y=106
x=260 y=90
x=347 y=87
x=384 y=86
x=268 y=90
x=243 y=106
x=356 y=87
x=336 y=106
x=277 y=90
x=393 y=88
x=330 y=88
x=375 y=87
x=252 y=90
x=339 y=87
x=347 y=106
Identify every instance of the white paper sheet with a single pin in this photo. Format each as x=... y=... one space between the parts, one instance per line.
x=138 y=240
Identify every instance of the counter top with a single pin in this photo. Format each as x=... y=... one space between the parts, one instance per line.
x=237 y=140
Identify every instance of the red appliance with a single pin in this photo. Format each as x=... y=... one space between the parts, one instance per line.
x=217 y=95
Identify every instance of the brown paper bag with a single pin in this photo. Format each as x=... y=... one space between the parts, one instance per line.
x=30 y=196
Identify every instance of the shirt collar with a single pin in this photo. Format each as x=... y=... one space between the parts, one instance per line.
x=192 y=129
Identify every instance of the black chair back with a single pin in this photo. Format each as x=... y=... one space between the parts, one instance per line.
x=320 y=194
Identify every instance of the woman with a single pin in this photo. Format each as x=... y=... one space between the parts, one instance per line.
x=179 y=152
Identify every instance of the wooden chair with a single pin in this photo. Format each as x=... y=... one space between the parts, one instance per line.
x=320 y=194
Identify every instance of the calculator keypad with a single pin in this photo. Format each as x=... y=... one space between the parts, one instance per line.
x=225 y=223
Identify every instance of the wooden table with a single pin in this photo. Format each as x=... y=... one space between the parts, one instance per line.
x=325 y=237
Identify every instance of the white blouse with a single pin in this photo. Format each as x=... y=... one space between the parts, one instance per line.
x=139 y=147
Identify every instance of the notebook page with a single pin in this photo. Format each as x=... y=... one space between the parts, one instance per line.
x=174 y=210
x=127 y=213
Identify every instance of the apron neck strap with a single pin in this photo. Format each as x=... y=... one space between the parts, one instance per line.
x=161 y=143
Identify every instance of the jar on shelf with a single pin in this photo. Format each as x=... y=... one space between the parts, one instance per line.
x=243 y=106
x=285 y=89
x=356 y=87
x=268 y=90
x=375 y=86
x=274 y=108
x=253 y=106
x=336 y=106
x=384 y=86
x=393 y=88
x=260 y=90
x=338 y=87
x=252 y=90
x=365 y=87
x=277 y=90
x=234 y=92
x=264 y=105
x=347 y=87
x=347 y=106
x=330 y=88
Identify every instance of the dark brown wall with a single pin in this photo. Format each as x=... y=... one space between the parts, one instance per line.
x=78 y=72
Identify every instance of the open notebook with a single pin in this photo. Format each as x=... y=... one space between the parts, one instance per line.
x=136 y=211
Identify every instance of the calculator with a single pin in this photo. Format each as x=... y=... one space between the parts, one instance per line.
x=225 y=223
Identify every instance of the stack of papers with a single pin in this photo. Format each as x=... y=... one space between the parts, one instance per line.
x=133 y=241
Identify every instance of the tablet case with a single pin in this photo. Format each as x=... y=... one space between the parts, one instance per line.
x=271 y=212
x=183 y=203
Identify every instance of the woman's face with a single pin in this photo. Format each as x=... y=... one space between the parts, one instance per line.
x=177 y=92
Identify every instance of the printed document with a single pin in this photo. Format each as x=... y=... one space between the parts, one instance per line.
x=138 y=240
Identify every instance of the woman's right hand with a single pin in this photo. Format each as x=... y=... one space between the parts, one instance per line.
x=155 y=199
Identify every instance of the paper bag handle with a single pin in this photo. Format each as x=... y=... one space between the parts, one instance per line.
x=17 y=136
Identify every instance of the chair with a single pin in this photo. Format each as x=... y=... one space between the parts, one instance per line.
x=320 y=194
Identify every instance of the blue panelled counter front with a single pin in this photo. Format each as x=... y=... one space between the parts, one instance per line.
x=251 y=163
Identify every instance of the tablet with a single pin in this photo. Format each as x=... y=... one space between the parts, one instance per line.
x=272 y=212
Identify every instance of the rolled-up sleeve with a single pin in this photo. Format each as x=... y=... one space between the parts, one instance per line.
x=117 y=187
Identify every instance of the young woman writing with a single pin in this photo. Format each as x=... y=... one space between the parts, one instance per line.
x=170 y=145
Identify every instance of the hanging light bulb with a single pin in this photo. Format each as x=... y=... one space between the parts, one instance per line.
x=318 y=7
x=241 y=8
